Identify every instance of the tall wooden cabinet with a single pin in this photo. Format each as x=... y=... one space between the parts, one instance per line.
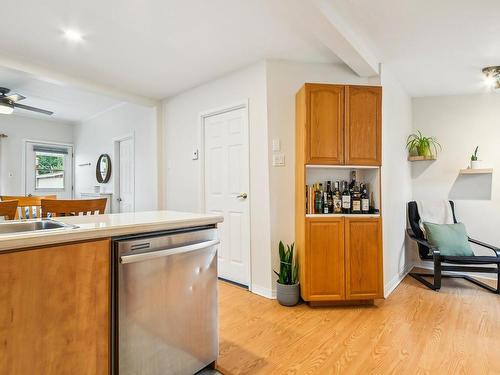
x=338 y=129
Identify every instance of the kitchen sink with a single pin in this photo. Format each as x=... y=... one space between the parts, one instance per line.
x=10 y=227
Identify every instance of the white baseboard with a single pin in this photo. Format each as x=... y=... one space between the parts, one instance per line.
x=264 y=292
x=388 y=288
x=396 y=280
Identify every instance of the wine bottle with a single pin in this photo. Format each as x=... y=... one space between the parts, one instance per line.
x=372 y=203
x=319 y=208
x=346 y=198
x=337 y=199
x=356 y=200
x=365 y=200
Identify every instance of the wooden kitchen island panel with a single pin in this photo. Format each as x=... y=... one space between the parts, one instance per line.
x=54 y=310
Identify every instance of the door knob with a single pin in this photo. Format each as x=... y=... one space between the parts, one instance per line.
x=119 y=199
x=242 y=195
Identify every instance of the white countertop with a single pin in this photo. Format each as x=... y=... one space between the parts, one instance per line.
x=109 y=225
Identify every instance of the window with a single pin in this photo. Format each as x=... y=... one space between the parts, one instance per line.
x=49 y=170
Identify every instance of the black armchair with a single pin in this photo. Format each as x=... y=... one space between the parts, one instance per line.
x=453 y=263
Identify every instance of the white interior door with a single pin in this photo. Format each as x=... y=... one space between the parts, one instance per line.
x=126 y=171
x=226 y=174
x=48 y=169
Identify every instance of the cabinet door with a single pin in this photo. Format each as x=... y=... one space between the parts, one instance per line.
x=325 y=259
x=325 y=124
x=54 y=310
x=363 y=125
x=363 y=263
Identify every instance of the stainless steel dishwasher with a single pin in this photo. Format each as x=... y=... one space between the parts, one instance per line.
x=165 y=303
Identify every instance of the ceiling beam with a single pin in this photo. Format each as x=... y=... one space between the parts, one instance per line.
x=320 y=17
x=65 y=80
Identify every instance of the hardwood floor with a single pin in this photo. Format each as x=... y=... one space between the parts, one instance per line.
x=414 y=331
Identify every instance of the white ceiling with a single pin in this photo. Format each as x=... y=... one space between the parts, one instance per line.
x=159 y=47
x=68 y=103
x=435 y=47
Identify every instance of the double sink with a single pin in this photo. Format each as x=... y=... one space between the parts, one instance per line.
x=12 y=227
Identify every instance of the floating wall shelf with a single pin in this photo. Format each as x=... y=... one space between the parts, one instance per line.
x=421 y=158
x=476 y=171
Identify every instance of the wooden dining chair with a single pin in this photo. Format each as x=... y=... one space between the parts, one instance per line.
x=8 y=209
x=73 y=207
x=28 y=207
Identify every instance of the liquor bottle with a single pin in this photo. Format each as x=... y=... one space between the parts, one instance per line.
x=325 y=202
x=337 y=199
x=354 y=175
x=356 y=200
x=346 y=199
x=317 y=199
x=365 y=200
x=330 y=197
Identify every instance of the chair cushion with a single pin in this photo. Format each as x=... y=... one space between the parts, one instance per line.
x=450 y=239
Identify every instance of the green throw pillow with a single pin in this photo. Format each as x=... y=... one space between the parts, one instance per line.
x=450 y=239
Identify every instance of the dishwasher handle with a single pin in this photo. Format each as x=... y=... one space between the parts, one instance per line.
x=133 y=258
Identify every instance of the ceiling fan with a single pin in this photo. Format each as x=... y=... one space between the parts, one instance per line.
x=9 y=100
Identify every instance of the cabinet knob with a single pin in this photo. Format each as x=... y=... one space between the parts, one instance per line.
x=242 y=195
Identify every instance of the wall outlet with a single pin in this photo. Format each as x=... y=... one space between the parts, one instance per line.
x=195 y=154
x=278 y=160
x=276 y=145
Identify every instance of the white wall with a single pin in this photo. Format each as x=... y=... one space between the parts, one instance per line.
x=396 y=179
x=19 y=128
x=461 y=123
x=183 y=175
x=94 y=137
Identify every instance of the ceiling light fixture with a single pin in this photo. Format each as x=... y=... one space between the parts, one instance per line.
x=73 y=35
x=6 y=108
x=492 y=76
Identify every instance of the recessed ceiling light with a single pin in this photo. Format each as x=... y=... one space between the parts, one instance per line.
x=492 y=77
x=73 y=35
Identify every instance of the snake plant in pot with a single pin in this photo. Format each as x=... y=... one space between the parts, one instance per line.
x=475 y=163
x=287 y=291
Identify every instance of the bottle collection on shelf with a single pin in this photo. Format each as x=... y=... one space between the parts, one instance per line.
x=343 y=198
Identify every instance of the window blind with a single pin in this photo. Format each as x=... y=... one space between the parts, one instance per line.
x=51 y=149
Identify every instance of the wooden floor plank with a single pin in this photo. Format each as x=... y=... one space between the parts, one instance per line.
x=414 y=331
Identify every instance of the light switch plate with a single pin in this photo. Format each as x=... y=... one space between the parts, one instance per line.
x=195 y=154
x=276 y=145
x=278 y=160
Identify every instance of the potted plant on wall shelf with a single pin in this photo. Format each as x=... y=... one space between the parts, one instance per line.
x=474 y=162
x=287 y=291
x=422 y=146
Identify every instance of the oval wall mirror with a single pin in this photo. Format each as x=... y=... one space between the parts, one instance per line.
x=103 y=169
